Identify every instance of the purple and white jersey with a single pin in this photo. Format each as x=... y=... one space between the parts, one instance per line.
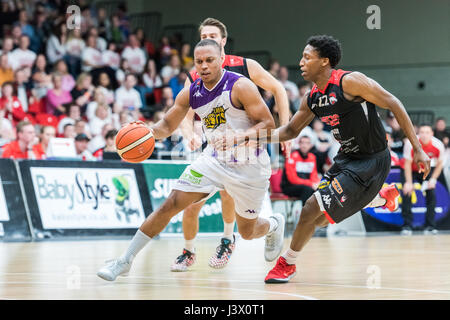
x=219 y=115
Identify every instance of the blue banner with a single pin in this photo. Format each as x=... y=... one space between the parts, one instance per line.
x=418 y=203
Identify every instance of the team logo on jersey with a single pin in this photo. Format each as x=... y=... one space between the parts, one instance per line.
x=332 y=120
x=215 y=118
x=327 y=200
x=337 y=186
x=333 y=98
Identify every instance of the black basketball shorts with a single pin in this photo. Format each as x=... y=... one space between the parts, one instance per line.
x=351 y=184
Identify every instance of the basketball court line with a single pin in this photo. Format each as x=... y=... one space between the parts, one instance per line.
x=157 y=285
x=225 y=280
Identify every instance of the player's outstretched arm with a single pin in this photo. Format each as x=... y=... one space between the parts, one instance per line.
x=299 y=121
x=262 y=78
x=357 y=84
x=187 y=125
x=172 y=119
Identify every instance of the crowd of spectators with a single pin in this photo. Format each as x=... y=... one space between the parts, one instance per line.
x=85 y=82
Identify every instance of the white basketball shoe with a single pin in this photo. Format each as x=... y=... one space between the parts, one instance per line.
x=275 y=239
x=113 y=269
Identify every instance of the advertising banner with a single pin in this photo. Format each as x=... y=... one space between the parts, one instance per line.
x=394 y=219
x=14 y=222
x=86 y=197
x=161 y=176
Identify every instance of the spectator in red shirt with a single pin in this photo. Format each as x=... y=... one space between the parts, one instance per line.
x=434 y=148
x=300 y=177
x=11 y=104
x=47 y=132
x=25 y=146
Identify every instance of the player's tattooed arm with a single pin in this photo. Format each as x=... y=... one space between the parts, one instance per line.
x=172 y=119
x=357 y=84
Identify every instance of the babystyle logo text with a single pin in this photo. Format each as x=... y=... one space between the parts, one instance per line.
x=81 y=191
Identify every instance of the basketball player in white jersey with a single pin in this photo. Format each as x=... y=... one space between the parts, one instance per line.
x=215 y=30
x=230 y=107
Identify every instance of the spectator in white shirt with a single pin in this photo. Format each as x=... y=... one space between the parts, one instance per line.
x=91 y=56
x=101 y=43
x=122 y=71
x=150 y=77
x=104 y=84
x=99 y=140
x=128 y=98
x=110 y=57
x=73 y=114
x=74 y=48
x=75 y=43
x=101 y=117
x=172 y=69
x=56 y=44
x=99 y=98
x=22 y=77
x=134 y=54
x=150 y=80
x=22 y=56
x=81 y=148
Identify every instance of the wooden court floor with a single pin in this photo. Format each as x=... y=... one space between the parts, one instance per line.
x=384 y=267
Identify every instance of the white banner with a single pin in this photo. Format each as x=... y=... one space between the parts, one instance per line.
x=87 y=198
x=4 y=214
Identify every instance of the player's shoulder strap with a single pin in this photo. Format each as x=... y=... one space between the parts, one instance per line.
x=193 y=75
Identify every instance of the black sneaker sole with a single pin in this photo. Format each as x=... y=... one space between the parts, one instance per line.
x=280 y=280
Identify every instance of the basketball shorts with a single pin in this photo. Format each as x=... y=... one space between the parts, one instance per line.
x=351 y=184
x=246 y=184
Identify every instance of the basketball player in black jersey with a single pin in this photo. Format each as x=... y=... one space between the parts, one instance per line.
x=346 y=101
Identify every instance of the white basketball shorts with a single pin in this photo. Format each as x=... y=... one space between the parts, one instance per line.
x=247 y=184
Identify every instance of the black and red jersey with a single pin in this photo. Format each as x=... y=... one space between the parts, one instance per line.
x=356 y=124
x=231 y=63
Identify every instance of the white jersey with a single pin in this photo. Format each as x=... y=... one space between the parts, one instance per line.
x=219 y=116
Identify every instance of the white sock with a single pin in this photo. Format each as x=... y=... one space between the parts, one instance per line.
x=228 y=230
x=378 y=201
x=273 y=224
x=138 y=242
x=189 y=245
x=290 y=256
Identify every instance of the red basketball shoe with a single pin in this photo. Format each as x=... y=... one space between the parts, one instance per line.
x=391 y=194
x=281 y=273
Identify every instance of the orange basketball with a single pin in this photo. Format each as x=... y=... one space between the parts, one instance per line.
x=135 y=142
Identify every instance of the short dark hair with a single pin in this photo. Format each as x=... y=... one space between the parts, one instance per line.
x=208 y=42
x=425 y=125
x=327 y=47
x=111 y=134
x=215 y=23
